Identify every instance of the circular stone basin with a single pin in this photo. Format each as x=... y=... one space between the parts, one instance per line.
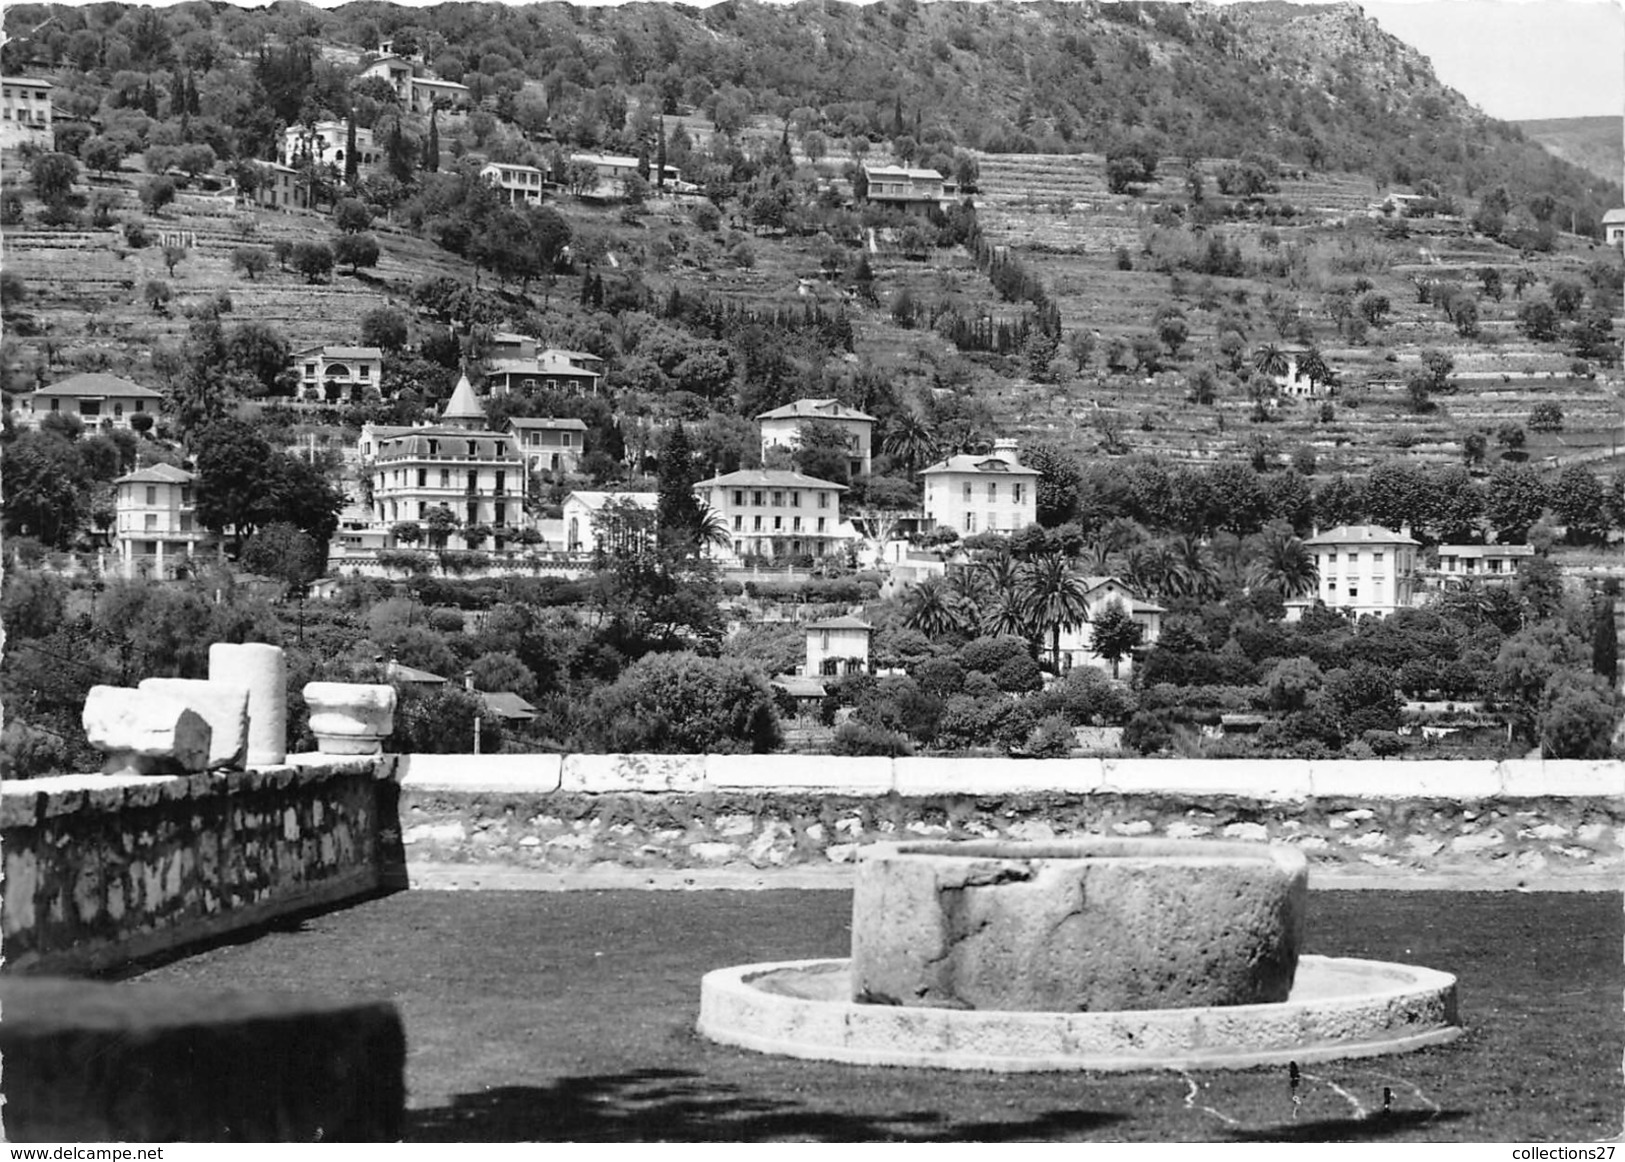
x=1338 y=1008
x=1076 y=925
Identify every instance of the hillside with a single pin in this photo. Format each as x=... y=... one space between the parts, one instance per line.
x=1594 y=144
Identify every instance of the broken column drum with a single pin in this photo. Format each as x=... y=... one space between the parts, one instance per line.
x=263 y=670
x=1076 y=926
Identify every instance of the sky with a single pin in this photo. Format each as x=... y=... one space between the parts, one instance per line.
x=1519 y=60
x=1515 y=59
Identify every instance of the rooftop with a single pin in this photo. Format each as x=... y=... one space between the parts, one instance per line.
x=597 y=500
x=844 y=622
x=157 y=474
x=557 y=425
x=986 y=464
x=1361 y=535
x=823 y=409
x=770 y=478
x=98 y=383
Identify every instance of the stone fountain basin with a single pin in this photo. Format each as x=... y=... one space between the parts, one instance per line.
x=1085 y=925
x=1339 y=1008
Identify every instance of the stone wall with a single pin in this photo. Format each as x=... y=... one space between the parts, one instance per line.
x=1517 y=821
x=103 y=869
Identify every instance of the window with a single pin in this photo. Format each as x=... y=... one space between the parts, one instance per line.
x=186 y=522
x=310 y=370
x=501 y=516
x=756 y=499
x=423 y=477
x=970 y=522
x=473 y=449
x=152 y=494
x=152 y=522
x=445 y=478
x=992 y=492
x=967 y=490
x=739 y=496
x=820 y=524
x=823 y=639
x=1376 y=558
x=366 y=371
x=778 y=499
x=739 y=522
x=1354 y=590
x=1019 y=490
x=757 y=527
x=186 y=494
x=118 y=409
x=795 y=499
x=778 y=523
x=795 y=524
x=1331 y=559
x=823 y=502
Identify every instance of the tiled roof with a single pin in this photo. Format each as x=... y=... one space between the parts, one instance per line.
x=463 y=404
x=506 y=704
x=768 y=478
x=157 y=474
x=844 y=622
x=561 y=425
x=985 y=464
x=98 y=383
x=816 y=409
x=1361 y=535
x=597 y=500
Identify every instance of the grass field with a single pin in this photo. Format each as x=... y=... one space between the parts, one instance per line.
x=569 y=1017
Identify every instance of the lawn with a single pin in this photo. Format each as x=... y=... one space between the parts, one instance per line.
x=569 y=1017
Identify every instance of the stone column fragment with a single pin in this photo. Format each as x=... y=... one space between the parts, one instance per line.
x=145 y=733
x=223 y=706
x=263 y=670
x=350 y=718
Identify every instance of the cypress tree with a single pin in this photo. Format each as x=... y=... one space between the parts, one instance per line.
x=351 y=169
x=431 y=148
x=677 y=510
x=1605 y=641
x=660 y=155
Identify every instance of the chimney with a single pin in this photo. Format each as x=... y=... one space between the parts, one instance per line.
x=1005 y=449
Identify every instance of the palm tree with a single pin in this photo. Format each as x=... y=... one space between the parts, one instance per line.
x=911 y=439
x=967 y=584
x=1285 y=564
x=1270 y=360
x=1313 y=367
x=933 y=609
x=711 y=528
x=1005 y=616
x=1054 y=598
x=1196 y=574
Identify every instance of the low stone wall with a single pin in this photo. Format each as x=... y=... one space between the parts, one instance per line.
x=104 y=869
x=565 y=814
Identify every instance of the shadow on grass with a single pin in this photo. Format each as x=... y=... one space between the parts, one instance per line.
x=1373 y=1128
x=668 y=1105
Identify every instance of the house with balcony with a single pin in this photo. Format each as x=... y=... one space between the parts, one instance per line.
x=155 y=523
x=416 y=89
x=774 y=513
x=1077 y=642
x=1464 y=566
x=1365 y=568
x=909 y=189
x=458 y=463
x=94 y=397
x=611 y=170
x=549 y=444
x=333 y=373
x=584 y=530
x=838 y=645
x=982 y=494
x=782 y=426
x=25 y=111
x=326 y=143
x=519 y=184
x=562 y=371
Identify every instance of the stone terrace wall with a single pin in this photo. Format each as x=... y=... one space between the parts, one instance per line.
x=1525 y=820
x=102 y=869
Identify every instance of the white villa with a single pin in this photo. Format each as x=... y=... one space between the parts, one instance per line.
x=781 y=427
x=1366 y=568
x=93 y=396
x=156 y=527
x=982 y=494
x=837 y=645
x=1077 y=648
x=581 y=510
x=773 y=513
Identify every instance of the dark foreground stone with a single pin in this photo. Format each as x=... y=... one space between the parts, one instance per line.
x=87 y=1061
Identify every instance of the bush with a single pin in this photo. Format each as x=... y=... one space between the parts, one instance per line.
x=440 y=720
x=856 y=738
x=1149 y=732
x=1052 y=738
x=683 y=704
